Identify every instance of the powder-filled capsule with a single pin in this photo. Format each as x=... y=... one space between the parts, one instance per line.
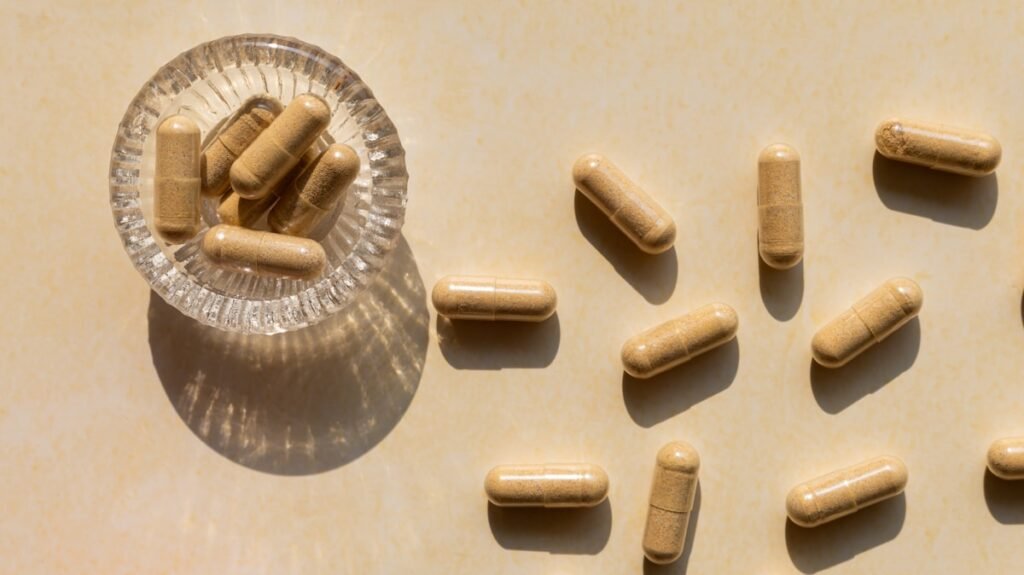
x=241 y=130
x=262 y=166
x=672 y=493
x=843 y=492
x=313 y=195
x=938 y=147
x=264 y=252
x=1006 y=458
x=679 y=340
x=780 y=233
x=643 y=221
x=547 y=485
x=238 y=211
x=868 y=322
x=490 y=298
x=176 y=182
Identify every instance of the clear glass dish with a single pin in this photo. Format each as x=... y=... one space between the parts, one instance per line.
x=208 y=83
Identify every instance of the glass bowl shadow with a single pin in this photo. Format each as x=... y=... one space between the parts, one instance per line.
x=208 y=84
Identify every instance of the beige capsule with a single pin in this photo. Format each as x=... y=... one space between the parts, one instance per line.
x=938 y=147
x=312 y=196
x=672 y=493
x=262 y=166
x=264 y=252
x=845 y=491
x=241 y=130
x=238 y=211
x=643 y=221
x=679 y=340
x=491 y=298
x=868 y=322
x=780 y=210
x=547 y=485
x=177 y=180
x=1006 y=458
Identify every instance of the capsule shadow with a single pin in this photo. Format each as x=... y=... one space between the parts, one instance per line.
x=782 y=291
x=1005 y=499
x=306 y=401
x=953 y=199
x=571 y=531
x=839 y=388
x=469 y=344
x=653 y=276
x=825 y=546
x=679 y=566
x=651 y=401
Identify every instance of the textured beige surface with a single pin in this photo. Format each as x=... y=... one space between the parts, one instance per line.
x=136 y=441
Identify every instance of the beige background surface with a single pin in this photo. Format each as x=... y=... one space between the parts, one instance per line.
x=134 y=441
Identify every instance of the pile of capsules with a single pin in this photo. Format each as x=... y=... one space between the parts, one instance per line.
x=263 y=161
x=663 y=347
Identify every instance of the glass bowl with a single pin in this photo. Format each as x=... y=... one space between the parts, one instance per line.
x=208 y=83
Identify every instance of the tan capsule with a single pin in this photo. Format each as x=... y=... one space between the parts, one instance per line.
x=547 y=485
x=262 y=166
x=868 y=322
x=679 y=340
x=645 y=222
x=264 y=252
x=672 y=493
x=238 y=211
x=780 y=210
x=313 y=195
x=1006 y=458
x=938 y=147
x=240 y=131
x=177 y=180
x=490 y=298
x=843 y=492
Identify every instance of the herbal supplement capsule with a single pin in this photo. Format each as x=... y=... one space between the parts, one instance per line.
x=547 y=485
x=868 y=322
x=254 y=117
x=780 y=210
x=645 y=222
x=489 y=298
x=938 y=147
x=176 y=182
x=843 y=492
x=264 y=252
x=679 y=340
x=313 y=195
x=238 y=211
x=262 y=166
x=1006 y=458
x=672 y=492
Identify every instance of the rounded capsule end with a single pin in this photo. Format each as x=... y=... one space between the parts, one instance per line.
x=214 y=240
x=897 y=471
x=781 y=256
x=636 y=359
x=548 y=301
x=492 y=485
x=661 y=555
x=1006 y=458
x=177 y=126
x=595 y=485
x=679 y=456
x=586 y=165
x=245 y=183
x=442 y=297
x=828 y=350
x=909 y=294
x=660 y=239
x=314 y=106
x=727 y=319
x=889 y=138
x=802 y=508
x=992 y=154
x=778 y=153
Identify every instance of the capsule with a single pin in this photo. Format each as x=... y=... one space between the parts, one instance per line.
x=938 y=147
x=177 y=179
x=672 y=493
x=643 y=221
x=238 y=211
x=547 y=485
x=868 y=322
x=312 y=196
x=679 y=340
x=1006 y=458
x=780 y=210
x=490 y=298
x=262 y=166
x=843 y=492
x=240 y=131
x=264 y=253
